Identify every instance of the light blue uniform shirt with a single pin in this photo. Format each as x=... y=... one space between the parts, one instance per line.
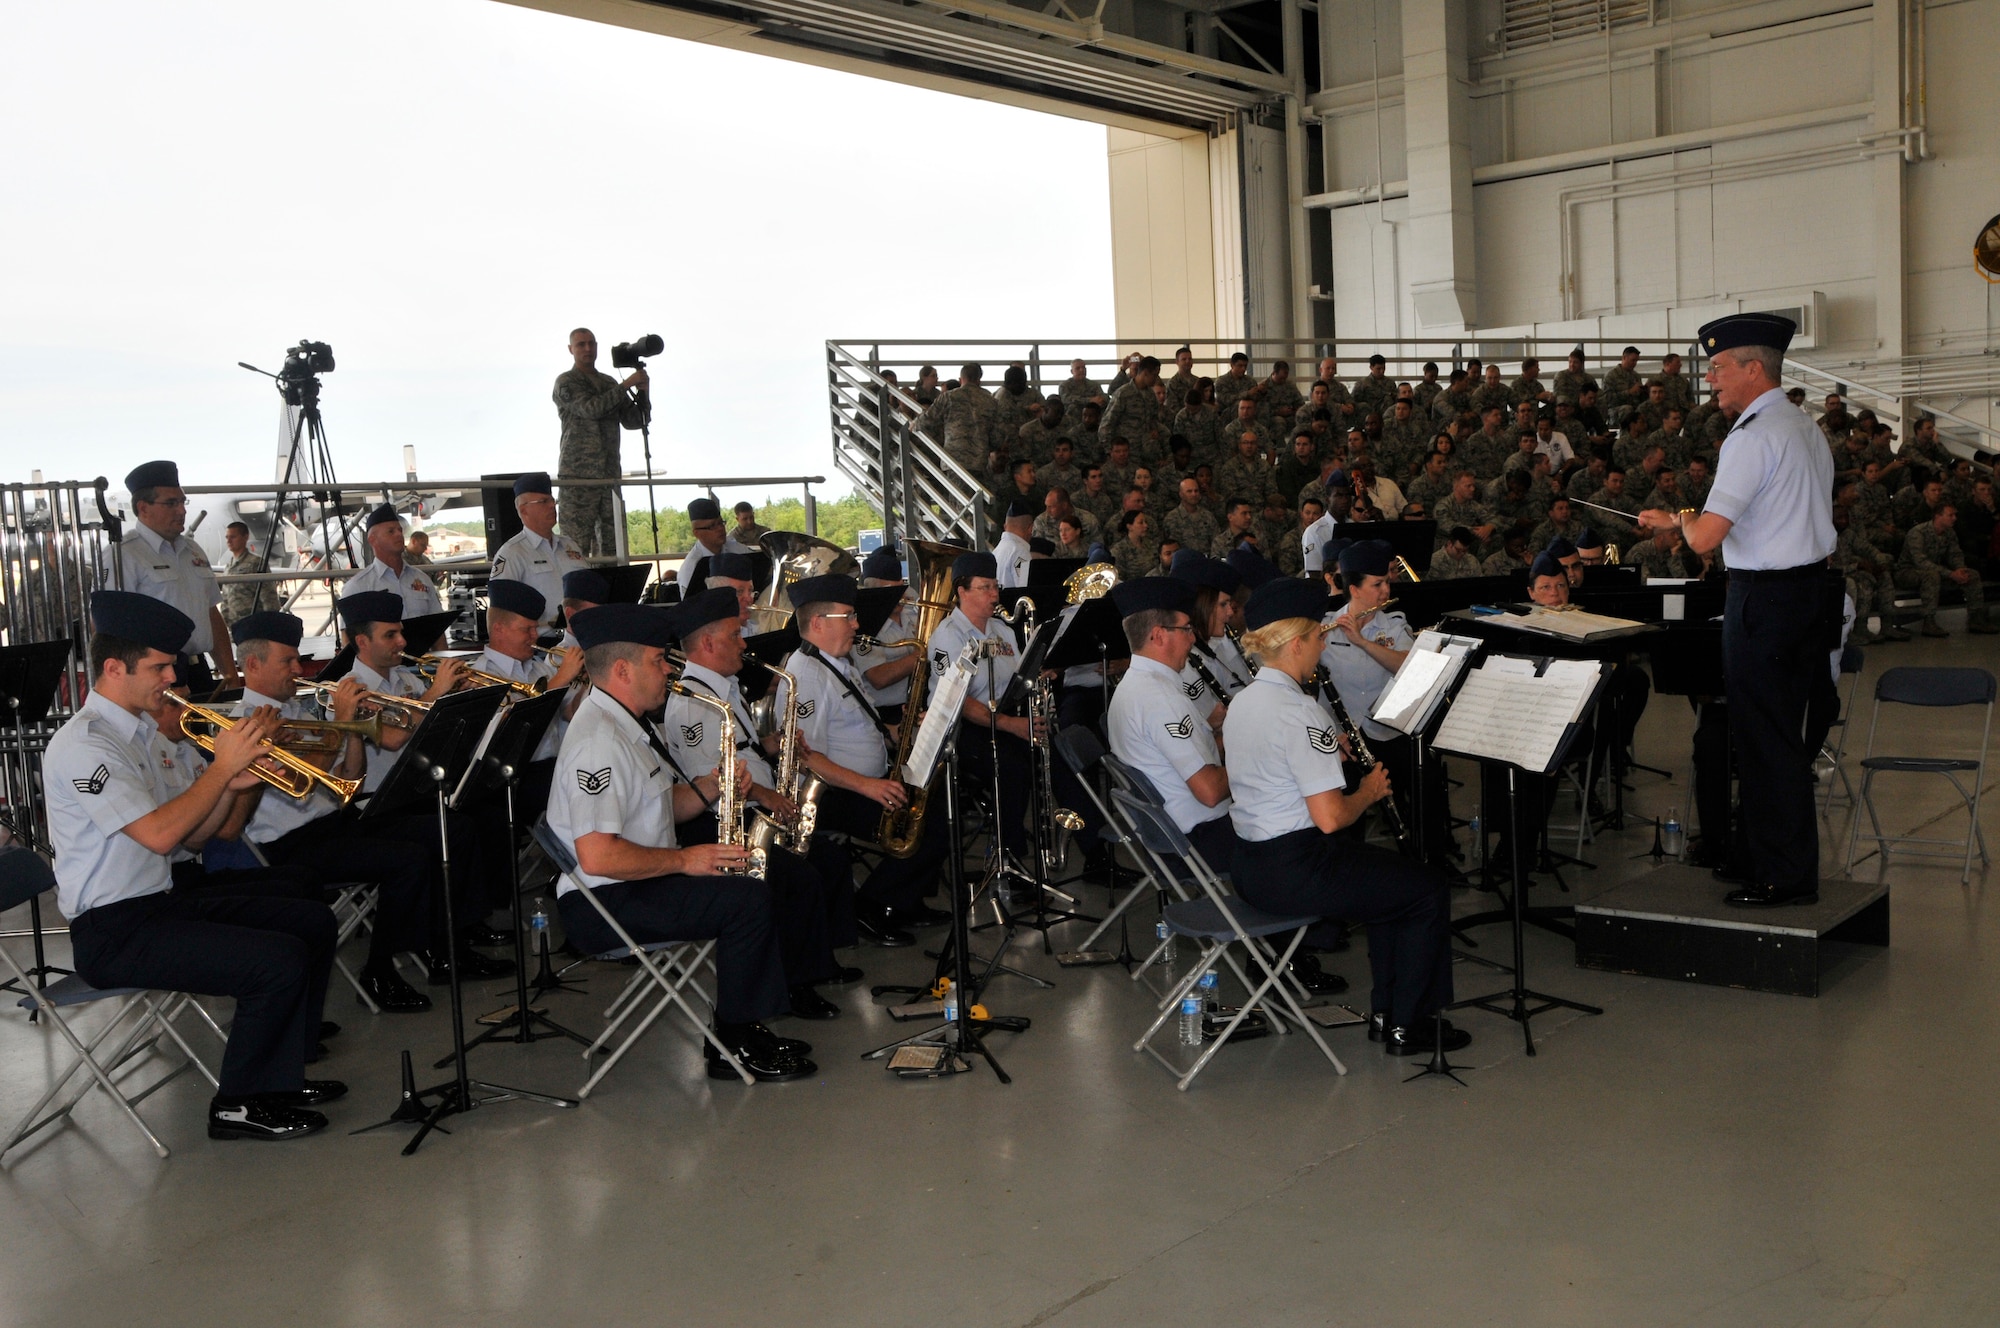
x=1225 y=660
x=400 y=680
x=175 y=572
x=542 y=563
x=990 y=678
x=279 y=813
x=690 y=727
x=533 y=669
x=100 y=774
x=1011 y=556
x=419 y=592
x=1282 y=749
x=609 y=780
x=900 y=626
x=1157 y=731
x=1774 y=481
x=831 y=721
x=1356 y=674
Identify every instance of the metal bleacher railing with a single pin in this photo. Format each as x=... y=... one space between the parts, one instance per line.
x=920 y=490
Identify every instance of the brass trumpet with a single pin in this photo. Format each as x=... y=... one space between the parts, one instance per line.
x=297 y=775
x=328 y=735
x=402 y=712
x=427 y=665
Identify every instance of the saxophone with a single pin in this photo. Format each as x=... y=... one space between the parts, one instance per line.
x=730 y=827
x=901 y=829
x=795 y=779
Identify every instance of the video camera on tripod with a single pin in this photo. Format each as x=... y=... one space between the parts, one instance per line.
x=624 y=355
x=633 y=355
x=298 y=379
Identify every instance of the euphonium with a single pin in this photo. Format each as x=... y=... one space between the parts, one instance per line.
x=426 y=667
x=901 y=829
x=730 y=828
x=297 y=776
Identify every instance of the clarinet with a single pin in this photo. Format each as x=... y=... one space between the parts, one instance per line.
x=1194 y=658
x=1363 y=758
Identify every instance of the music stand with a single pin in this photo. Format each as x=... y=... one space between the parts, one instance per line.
x=503 y=758
x=627 y=582
x=30 y=674
x=874 y=606
x=1053 y=571
x=1412 y=541
x=428 y=768
x=1518 y=1002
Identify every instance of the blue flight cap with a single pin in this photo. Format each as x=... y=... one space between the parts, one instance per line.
x=586 y=584
x=1366 y=558
x=704 y=509
x=1186 y=563
x=1169 y=594
x=1286 y=597
x=152 y=623
x=1252 y=568
x=1773 y=330
x=640 y=624
x=833 y=588
x=1560 y=547
x=516 y=597
x=885 y=564
x=1546 y=565
x=284 y=628
x=733 y=566
x=969 y=565
x=1019 y=507
x=535 y=481
x=1588 y=538
x=384 y=515
x=370 y=606
x=710 y=606
x=153 y=475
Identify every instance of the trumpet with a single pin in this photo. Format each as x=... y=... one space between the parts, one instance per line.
x=427 y=666
x=556 y=655
x=296 y=775
x=328 y=735
x=401 y=712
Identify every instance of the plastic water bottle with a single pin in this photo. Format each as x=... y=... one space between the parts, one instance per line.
x=1190 y=1020
x=1672 y=838
x=538 y=927
x=1477 y=828
x=1208 y=988
x=950 y=1004
x=1166 y=934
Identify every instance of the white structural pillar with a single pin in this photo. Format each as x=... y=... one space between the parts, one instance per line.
x=1444 y=284
x=1887 y=38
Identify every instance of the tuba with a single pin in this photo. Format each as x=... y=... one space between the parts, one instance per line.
x=795 y=556
x=902 y=828
x=731 y=820
x=1091 y=581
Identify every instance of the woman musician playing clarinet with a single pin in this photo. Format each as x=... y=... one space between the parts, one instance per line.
x=1285 y=783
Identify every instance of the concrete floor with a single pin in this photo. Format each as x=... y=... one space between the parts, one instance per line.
x=1694 y=1156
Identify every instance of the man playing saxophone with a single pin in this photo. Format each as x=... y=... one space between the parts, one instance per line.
x=848 y=747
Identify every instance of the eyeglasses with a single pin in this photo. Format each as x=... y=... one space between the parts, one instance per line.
x=836 y=617
x=1180 y=627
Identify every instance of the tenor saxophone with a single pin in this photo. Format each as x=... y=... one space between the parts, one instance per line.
x=795 y=779
x=731 y=828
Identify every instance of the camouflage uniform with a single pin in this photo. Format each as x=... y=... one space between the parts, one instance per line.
x=1227 y=389
x=1226 y=540
x=1117 y=479
x=1484 y=454
x=1544 y=534
x=1280 y=406
x=1291 y=557
x=592 y=408
x=1060 y=477
x=1503 y=563
x=241 y=600
x=1425 y=394
x=1928 y=553
x=1103 y=505
x=1074 y=392
x=1402 y=446
x=1178 y=388
x=1910 y=508
x=1195 y=530
x=1622 y=389
x=962 y=420
x=1449 y=405
x=1428 y=491
x=1203 y=429
x=1252 y=479
x=1135 y=560
x=1527 y=388
x=1449 y=566
x=1871 y=509
x=1373 y=395
x=1570 y=384
x=1045 y=525
x=1869 y=588
x=1610 y=527
x=1010 y=412
x=1037 y=442
x=1134 y=415
x=1471 y=514
x=1492 y=394
x=1694 y=492
x=1679 y=388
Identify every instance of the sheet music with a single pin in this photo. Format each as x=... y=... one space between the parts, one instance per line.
x=944 y=702
x=1405 y=703
x=1573 y=624
x=1503 y=715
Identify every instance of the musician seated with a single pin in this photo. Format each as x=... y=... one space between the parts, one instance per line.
x=582 y=589
x=736 y=572
x=114 y=820
x=976 y=591
x=1361 y=657
x=1590 y=551
x=849 y=748
x=1565 y=555
x=1630 y=688
x=1216 y=610
x=514 y=612
x=1203 y=577
x=886 y=668
x=810 y=906
x=1285 y=784
x=320 y=838
x=375 y=629
x=1012 y=554
x=615 y=805
x=1152 y=729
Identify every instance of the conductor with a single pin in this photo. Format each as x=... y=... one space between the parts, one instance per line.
x=1771 y=511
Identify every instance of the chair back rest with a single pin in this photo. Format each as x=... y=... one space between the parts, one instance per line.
x=557 y=851
x=1132 y=781
x=1937 y=687
x=1851 y=659
x=24 y=874
x=1079 y=749
x=1157 y=830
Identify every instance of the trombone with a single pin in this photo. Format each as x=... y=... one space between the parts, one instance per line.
x=296 y=775
x=427 y=665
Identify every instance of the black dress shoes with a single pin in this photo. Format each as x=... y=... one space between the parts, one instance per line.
x=881 y=930
x=1421 y=1038
x=313 y=1094
x=769 y=1058
x=488 y=936
x=923 y=915
x=1378 y=1026
x=327 y=1029
x=809 y=1004
x=392 y=994
x=758 y=1035
x=257 y=1118
x=1732 y=873
x=1769 y=896
x=1316 y=980
x=472 y=967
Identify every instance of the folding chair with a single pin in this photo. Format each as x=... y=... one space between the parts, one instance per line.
x=353 y=903
x=1937 y=689
x=668 y=968
x=146 y=1015
x=1085 y=755
x=1215 y=922
x=1851 y=660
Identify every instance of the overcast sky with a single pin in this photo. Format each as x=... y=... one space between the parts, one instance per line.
x=441 y=189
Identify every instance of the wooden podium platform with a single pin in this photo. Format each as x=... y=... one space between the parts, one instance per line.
x=1672 y=923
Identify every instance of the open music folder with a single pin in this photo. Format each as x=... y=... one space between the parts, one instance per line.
x=1521 y=711
x=1432 y=666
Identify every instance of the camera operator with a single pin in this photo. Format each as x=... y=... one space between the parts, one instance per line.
x=593 y=407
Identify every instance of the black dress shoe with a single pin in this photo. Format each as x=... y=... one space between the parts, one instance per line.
x=765 y=1066
x=1420 y=1039
x=757 y=1035
x=1378 y=1026
x=472 y=967
x=1769 y=896
x=923 y=915
x=1316 y=980
x=809 y=1004
x=845 y=976
x=255 y=1118
x=395 y=996
x=315 y=1092
x=488 y=936
x=881 y=931
x=327 y=1029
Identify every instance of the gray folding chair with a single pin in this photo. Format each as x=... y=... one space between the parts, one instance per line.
x=1215 y=922
x=146 y=1016
x=353 y=905
x=1851 y=660
x=1933 y=689
x=1085 y=755
x=667 y=969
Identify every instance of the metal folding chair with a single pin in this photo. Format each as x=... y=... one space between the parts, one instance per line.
x=1851 y=660
x=1085 y=755
x=145 y=1016
x=1936 y=689
x=1216 y=922
x=353 y=905
x=666 y=968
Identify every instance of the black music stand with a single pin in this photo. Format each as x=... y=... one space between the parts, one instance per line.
x=1520 y=1002
x=428 y=768
x=30 y=673
x=874 y=605
x=627 y=583
x=1412 y=541
x=503 y=759
x=1053 y=571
